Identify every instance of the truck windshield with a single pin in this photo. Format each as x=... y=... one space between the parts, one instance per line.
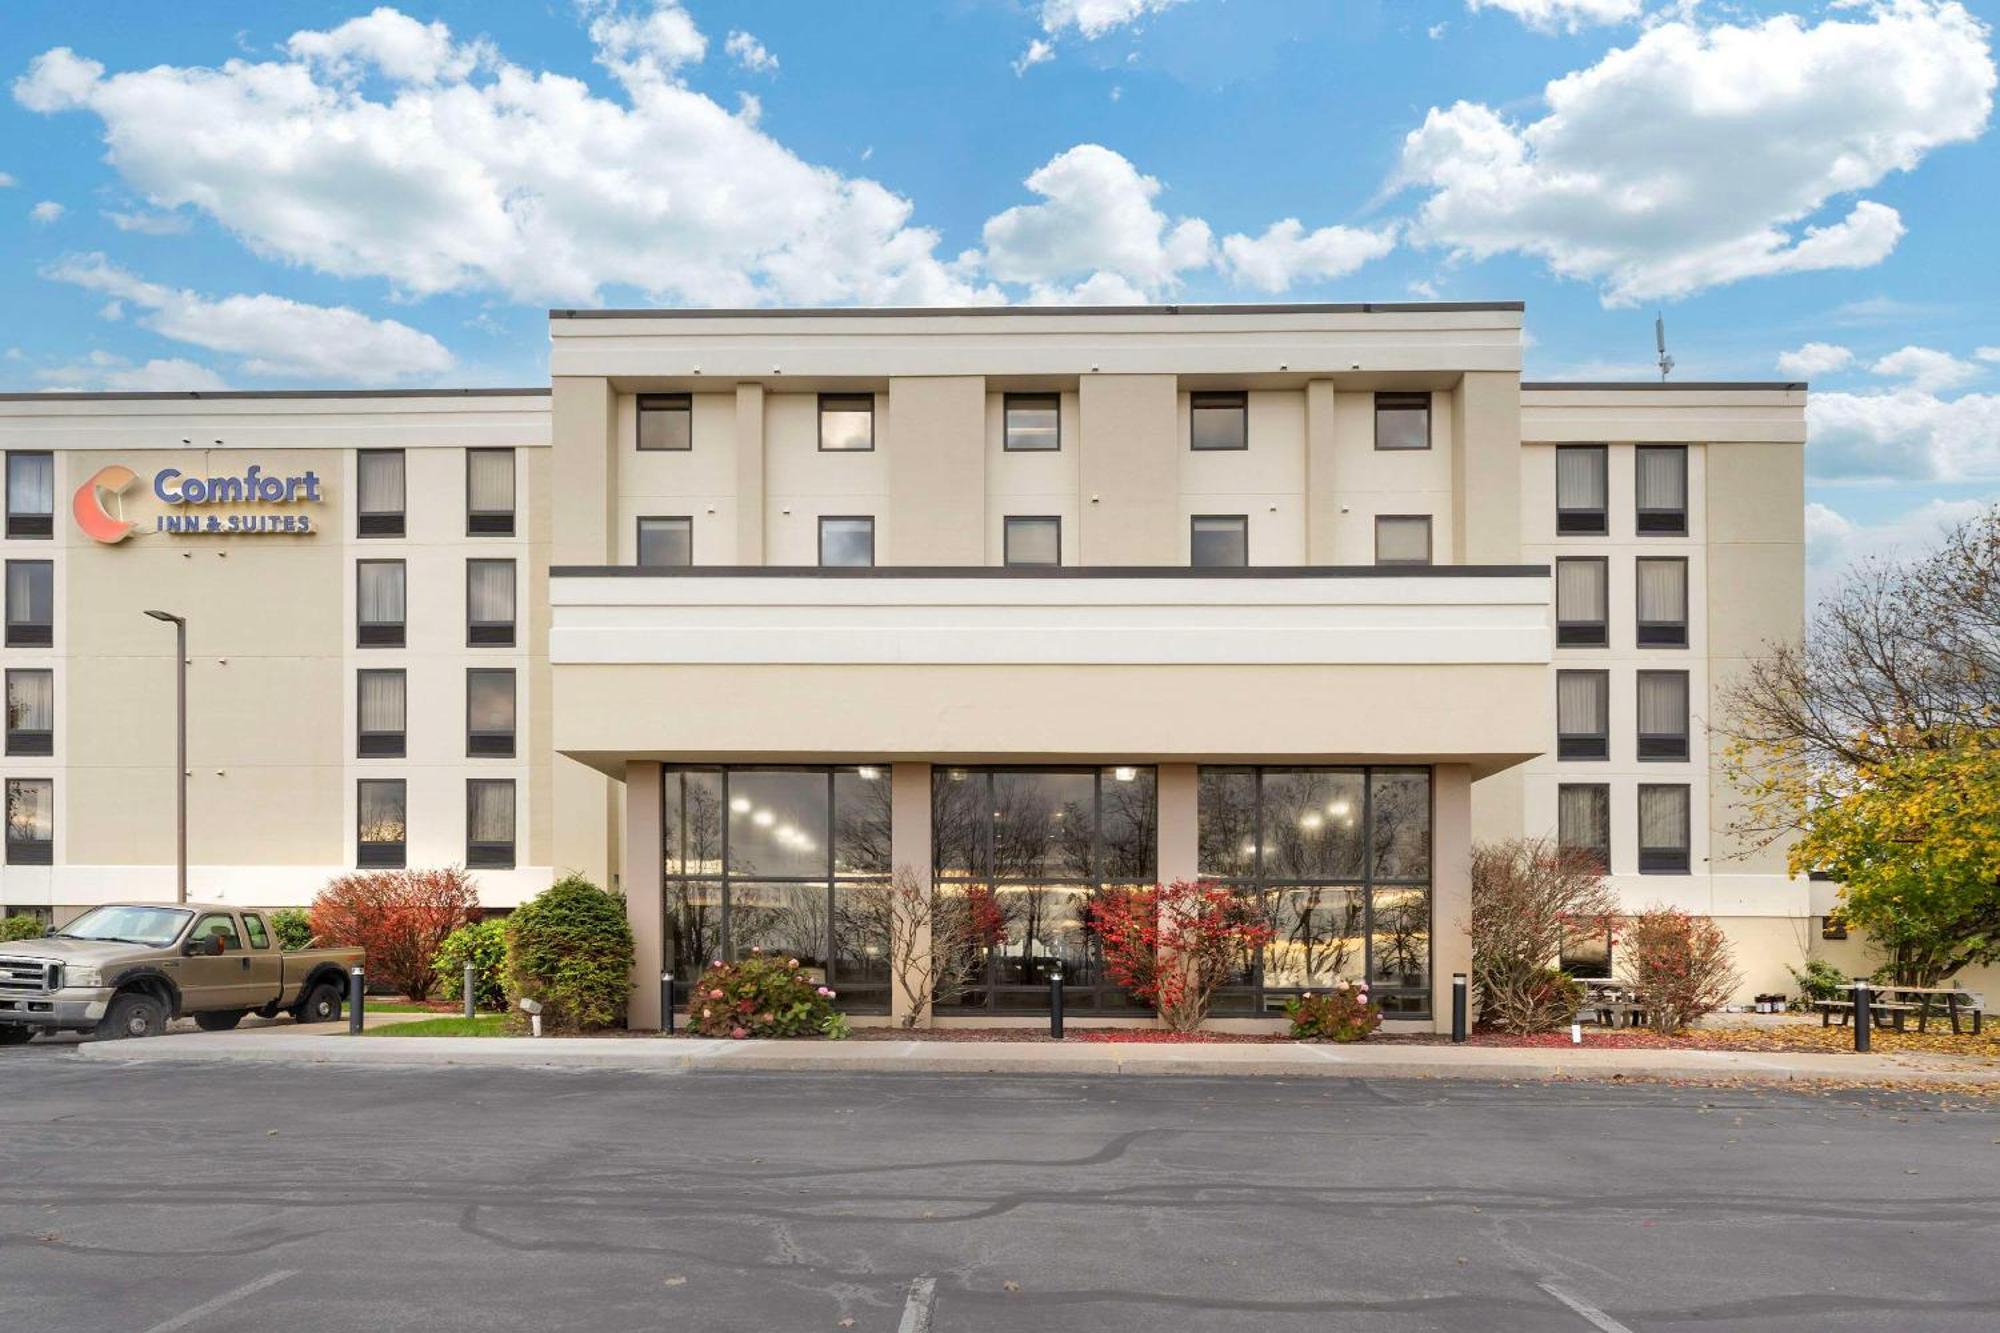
x=158 y=926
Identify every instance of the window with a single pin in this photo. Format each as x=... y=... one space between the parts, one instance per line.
x=1583 y=820
x=1581 y=489
x=1033 y=541
x=1033 y=422
x=1219 y=541
x=31 y=603
x=489 y=603
x=381 y=705
x=254 y=931
x=1402 y=421
x=1582 y=618
x=1663 y=830
x=846 y=422
x=381 y=826
x=1402 y=539
x=792 y=860
x=31 y=821
x=1028 y=848
x=1583 y=713
x=379 y=502
x=666 y=543
x=1219 y=420
x=379 y=603
x=489 y=713
x=1663 y=602
x=666 y=421
x=489 y=492
x=1663 y=715
x=31 y=712
x=1660 y=484
x=846 y=543
x=1585 y=953
x=489 y=823
x=31 y=494
x=1340 y=859
x=217 y=931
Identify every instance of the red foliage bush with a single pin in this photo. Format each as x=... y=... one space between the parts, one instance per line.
x=400 y=917
x=1175 y=945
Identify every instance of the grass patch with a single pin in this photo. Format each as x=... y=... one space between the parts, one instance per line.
x=486 y=1025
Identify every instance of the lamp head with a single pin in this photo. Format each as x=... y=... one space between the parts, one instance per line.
x=167 y=616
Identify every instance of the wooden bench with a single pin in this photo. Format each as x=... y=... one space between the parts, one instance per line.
x=1885 y=1013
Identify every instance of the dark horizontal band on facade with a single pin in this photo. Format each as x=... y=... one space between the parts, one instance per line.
x=1050 y=572
x=906 y=312
x=216 y=395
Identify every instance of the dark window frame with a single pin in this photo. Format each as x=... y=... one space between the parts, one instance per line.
x=1660 y=522
x=1008 y=401
x=1584 y=633
x=1242 y=520
x=386 y=855
x=381 y=744
x=381 y=633
x=31 y=633
x=1585 y=522
x=1579 y=745
x=1396 y=401
x=490 y=522
x=1219 y=400
x=639 y=537
x=1007 y=523
x=491 y=855
x=825 y=519
x=493 y=744
x=662 y=402
x=27 y=742
x=1666 y=860
x=493 y=633
x=1604 y=790
x=819 y=419
x=32 y=851
x=381 y=523
x=26 y=525
x=1660 y=633
x=1430 y=541
x=1664 y=747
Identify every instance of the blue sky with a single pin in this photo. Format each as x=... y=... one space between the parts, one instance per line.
x=295 y=193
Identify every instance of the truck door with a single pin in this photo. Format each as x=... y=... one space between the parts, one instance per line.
x=267 y=964
x=215 y=981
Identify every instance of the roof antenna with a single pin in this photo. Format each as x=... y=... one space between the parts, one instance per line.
x=1660 y=341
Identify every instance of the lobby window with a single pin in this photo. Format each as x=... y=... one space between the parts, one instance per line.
x=1583 y=821
x=1219 y=541
x=381 y=708
x=1219 y=421
x=31 y=711
x=1033 y=422
x=793 y=861
x=1340 y=861
x=1032 y=541
x=489 y=823
x=846 y=542
x=489 y=603
x=1402 y=421
x=1664 y=833
x=666 y=421
x=1660 y=485
x=1402 y=539
x=381 y=823
x=1585 y=953
x=379 y=494
x=31 y=603
x=379 y=603
x=1663 y=715
x=666 y=542
x=1582 y=489
x=1583 y=715
x=489 y=492
x=31 y=494
x=1582 y=589
x=489 y=713
x=846 y=422
x=31 y=821
x=1663 y=602
x=1025 y=850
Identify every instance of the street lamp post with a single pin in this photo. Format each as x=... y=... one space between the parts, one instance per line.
x=180 y=750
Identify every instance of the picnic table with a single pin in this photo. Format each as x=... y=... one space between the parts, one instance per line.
x=1891 y=1006
x=1610 y=1004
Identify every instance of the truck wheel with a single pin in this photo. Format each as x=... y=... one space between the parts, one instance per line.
x=133 y=1016
x=11 y=1035
x=219 y=1021
x=321 y=1005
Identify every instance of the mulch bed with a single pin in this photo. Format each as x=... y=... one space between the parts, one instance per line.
x=1152 y=1036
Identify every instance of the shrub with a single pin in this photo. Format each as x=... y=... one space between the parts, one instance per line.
x=399 y=916
x=293 y=929
x=1819 y=980
x=1344 y=1013
x=762 y=996
x=1175 y=945
x=484 y=945
x=1677 y=966
x=21 y=928
x=1525 y=893
x=570 y=948
x=959 y=927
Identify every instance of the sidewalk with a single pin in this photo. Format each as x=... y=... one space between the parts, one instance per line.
x=328 y=1045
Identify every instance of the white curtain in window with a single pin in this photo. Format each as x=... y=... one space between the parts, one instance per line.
x=1580 y=478
x=1663 y=818
x=1662 y=591
x=1582 y=703
x=381 y=592
x=490 y=591
x=1583 y=816
x=491 y=706
x=490 y=816
x=31 y=483
x=1663 y=703
x=1579 y=590
x=381 y=483
x=1661 y=478
x=31 y=810
x=1402 y=540
x=489 y=480
x=383 y=701
x=31 y=701
x=31 y=594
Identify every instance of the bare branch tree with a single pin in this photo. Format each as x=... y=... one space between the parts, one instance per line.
x=935 y=939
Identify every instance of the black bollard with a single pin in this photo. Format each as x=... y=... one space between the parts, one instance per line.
x=1458 y=1006
x=1864 y=1013
x=667 y=1003
x=357 y=987
x=471 y=982
x=1055 y=1003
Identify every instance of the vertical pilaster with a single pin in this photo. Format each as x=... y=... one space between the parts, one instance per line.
x=1321 y=483
x=1486 y=468
x=584 y=439
x=910 y=851
x=643 y=881
x=937 y=470
x=1130 y=470
x=1451 y=884
x=749 y=474
x=1179 y=836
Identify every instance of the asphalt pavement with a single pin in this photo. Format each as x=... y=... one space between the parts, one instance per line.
x=164 y=1196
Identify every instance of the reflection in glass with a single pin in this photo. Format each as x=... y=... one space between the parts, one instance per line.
x=861 y=923
x=1042 y=825
x=777 y=822
x=786 y=920
x=1226 y=820
x=1403 y=937
x=1128 y=823
x=1043 y=926
x=1312 y=823
x=1319 y=937
x=691 y=821
x=694 y=929
x=1401 y=816
x=861 y=821
x=959 y=819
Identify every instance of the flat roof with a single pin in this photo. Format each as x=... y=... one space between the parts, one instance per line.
x=894 y=312
x=213 y=395
x=1711 y=385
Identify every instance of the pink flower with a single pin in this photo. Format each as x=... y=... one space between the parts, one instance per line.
x=823 y=991
x=832 y=994
x=739 y=1033
x=715 y=994
x=756 y=948
x=716 y=963
x=791 y=962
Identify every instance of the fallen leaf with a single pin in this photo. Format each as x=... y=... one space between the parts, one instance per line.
x=1010 y=1285
x=675 y=1281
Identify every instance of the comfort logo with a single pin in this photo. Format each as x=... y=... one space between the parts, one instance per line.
x=88 y=505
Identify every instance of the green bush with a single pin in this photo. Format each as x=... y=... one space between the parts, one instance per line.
x=484 y=945
x=21 y=928
x=1344 y=1013
x=762 y=996
x=570 y=948
x=293 y=929
x=1819 y=980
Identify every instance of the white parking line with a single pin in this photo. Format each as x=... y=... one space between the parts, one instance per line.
x=917 y=1312
x=1598 y=1319
x=207 y=1308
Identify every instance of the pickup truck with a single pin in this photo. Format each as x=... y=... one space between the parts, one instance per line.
x=127 y=969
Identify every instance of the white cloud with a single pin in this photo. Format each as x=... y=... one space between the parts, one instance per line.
x=1926 y=369
x=1835 y=542
x=1905 y=435
x=1700 y=154
x=403 y=49
x=1094 y=18
x=1562 y=15
x=1038 y=52
x=1096 y=214
x=1991 y=355
x=1814 y=359
x=269 y=336
x=7 y=182
x=150 y=224
x=46 y=212
x=1287 y=252
x=103 y=372
x=750 y=53
x=643 y=50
